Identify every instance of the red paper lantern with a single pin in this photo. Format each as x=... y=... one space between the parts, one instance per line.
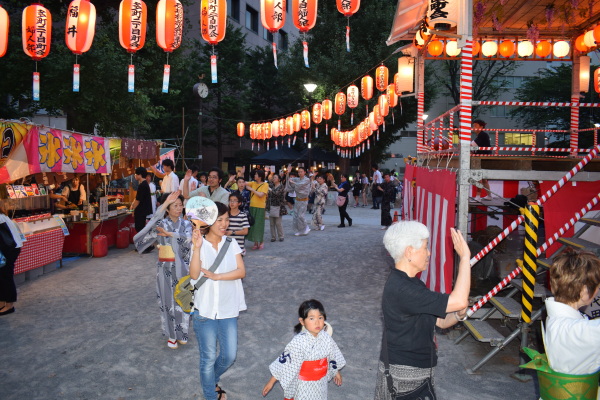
x=543 y=49
x=476 y=48
x=327 y=109
x=381 y=78
x=372 y=123
x=268 y=130
x=377 y=114
x=580 y=44
x=435 y=48
x=340 y=103
x=304 y=13
x=80 y=26
x=251 y=131
x=132 y=24
x=507 y=48
x=272 y=14
x=348 y=7
x=305 y=119
x=4 y=24
x=391 y=95
x=276 y=128
x=169 y=24
x=213 y=20
x=36 y=31
x=366 y=87
x=317 y=113
x=240 y=129
x=297 y=122
x=597 y=80
x=289 y=125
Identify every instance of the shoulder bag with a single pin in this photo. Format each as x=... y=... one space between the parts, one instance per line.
x=340 y=200
x=423 y=392
x=184 y=290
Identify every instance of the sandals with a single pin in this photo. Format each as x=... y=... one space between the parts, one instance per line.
x=221 y=394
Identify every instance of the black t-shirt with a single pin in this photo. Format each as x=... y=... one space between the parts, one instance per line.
x=483 y=140
x=345 y=186
x=144 y=207
x=410 y=310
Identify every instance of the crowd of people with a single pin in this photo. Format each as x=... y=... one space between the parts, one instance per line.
x=213 y=253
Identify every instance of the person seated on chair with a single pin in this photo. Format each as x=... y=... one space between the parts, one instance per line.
x=572 y=340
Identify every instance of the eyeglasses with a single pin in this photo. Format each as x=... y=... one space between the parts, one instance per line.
x=234 y=201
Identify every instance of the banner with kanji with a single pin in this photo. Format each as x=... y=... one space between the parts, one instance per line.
x=54 y=150
x=435 y=200
x=31 y=149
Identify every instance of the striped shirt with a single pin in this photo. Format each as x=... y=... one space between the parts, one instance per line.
x=237 y=223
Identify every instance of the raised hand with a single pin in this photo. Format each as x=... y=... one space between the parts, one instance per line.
x=197 y=239
x=460 y=244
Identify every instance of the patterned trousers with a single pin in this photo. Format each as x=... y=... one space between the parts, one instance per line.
x=299 y=223
x=318 y=215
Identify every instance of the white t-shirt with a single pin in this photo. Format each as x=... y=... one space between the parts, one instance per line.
x=572 y=341
x=192 y=185
x=377 y=177
x=170 y=183
x=219 y=299
x=152 y=197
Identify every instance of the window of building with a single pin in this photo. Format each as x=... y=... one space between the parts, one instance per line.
x=233 y=9
x=268 y=36
x=283 y=40
x=498 y=111
x=252 y=19
x=518 y=139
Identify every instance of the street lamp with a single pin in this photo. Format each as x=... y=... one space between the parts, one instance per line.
x=310 y=87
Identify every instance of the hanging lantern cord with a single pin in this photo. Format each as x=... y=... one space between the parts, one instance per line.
x=131 y=59
x=36 y=66
x=76 y=58
x=167 y=58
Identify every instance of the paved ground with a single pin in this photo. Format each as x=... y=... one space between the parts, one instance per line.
x=91 y=330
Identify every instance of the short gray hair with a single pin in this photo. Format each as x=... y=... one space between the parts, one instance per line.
x=403 y=234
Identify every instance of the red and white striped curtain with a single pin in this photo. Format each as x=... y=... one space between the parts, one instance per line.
x=506 y=189
x=434 y=206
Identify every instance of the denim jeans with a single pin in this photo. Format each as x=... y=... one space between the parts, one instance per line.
x=208 y=332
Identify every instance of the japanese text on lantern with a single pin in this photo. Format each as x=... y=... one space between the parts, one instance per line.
x=213 y=18
x=73 y=13
x=278 y=12
x=178 y=25
x=136 y=25
x=437 y=8
x=303 y=12
x=38 y=45
x=346 y=4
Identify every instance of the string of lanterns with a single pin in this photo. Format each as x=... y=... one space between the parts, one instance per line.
x=304 y=16
x=348 y=142
x=505 y=48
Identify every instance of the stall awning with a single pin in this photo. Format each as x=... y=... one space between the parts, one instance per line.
x=409 y=14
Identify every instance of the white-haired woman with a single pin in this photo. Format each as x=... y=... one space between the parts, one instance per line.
x=411 y=311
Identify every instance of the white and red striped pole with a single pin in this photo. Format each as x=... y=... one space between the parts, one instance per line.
x=539 y=202
x=451 y=129
x=540 y=250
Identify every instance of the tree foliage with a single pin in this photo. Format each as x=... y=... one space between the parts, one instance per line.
x=487 y=83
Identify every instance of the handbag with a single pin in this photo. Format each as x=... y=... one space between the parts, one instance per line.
x=184 y=290
x=275 y=211
x=340 y=201
x=422 y=392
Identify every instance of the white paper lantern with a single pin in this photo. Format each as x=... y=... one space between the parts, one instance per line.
x=452 y=49
x=489 y=49
x=525 y=48
x=561 y=49
x=588 y=39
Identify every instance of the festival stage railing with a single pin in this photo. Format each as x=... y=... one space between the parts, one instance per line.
x=436 y=138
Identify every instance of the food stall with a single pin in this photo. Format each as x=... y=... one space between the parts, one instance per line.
x=34 y=162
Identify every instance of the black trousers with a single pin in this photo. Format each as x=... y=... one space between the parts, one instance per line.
x=343 y=213
x=8 y=289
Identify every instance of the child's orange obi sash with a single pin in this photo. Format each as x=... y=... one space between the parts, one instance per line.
x=313 y=370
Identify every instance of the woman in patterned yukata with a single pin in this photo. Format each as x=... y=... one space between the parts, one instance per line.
x=310 y=360
x=173 y=234
x=320 y=190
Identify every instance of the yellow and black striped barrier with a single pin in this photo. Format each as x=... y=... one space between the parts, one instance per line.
x=532 y=219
